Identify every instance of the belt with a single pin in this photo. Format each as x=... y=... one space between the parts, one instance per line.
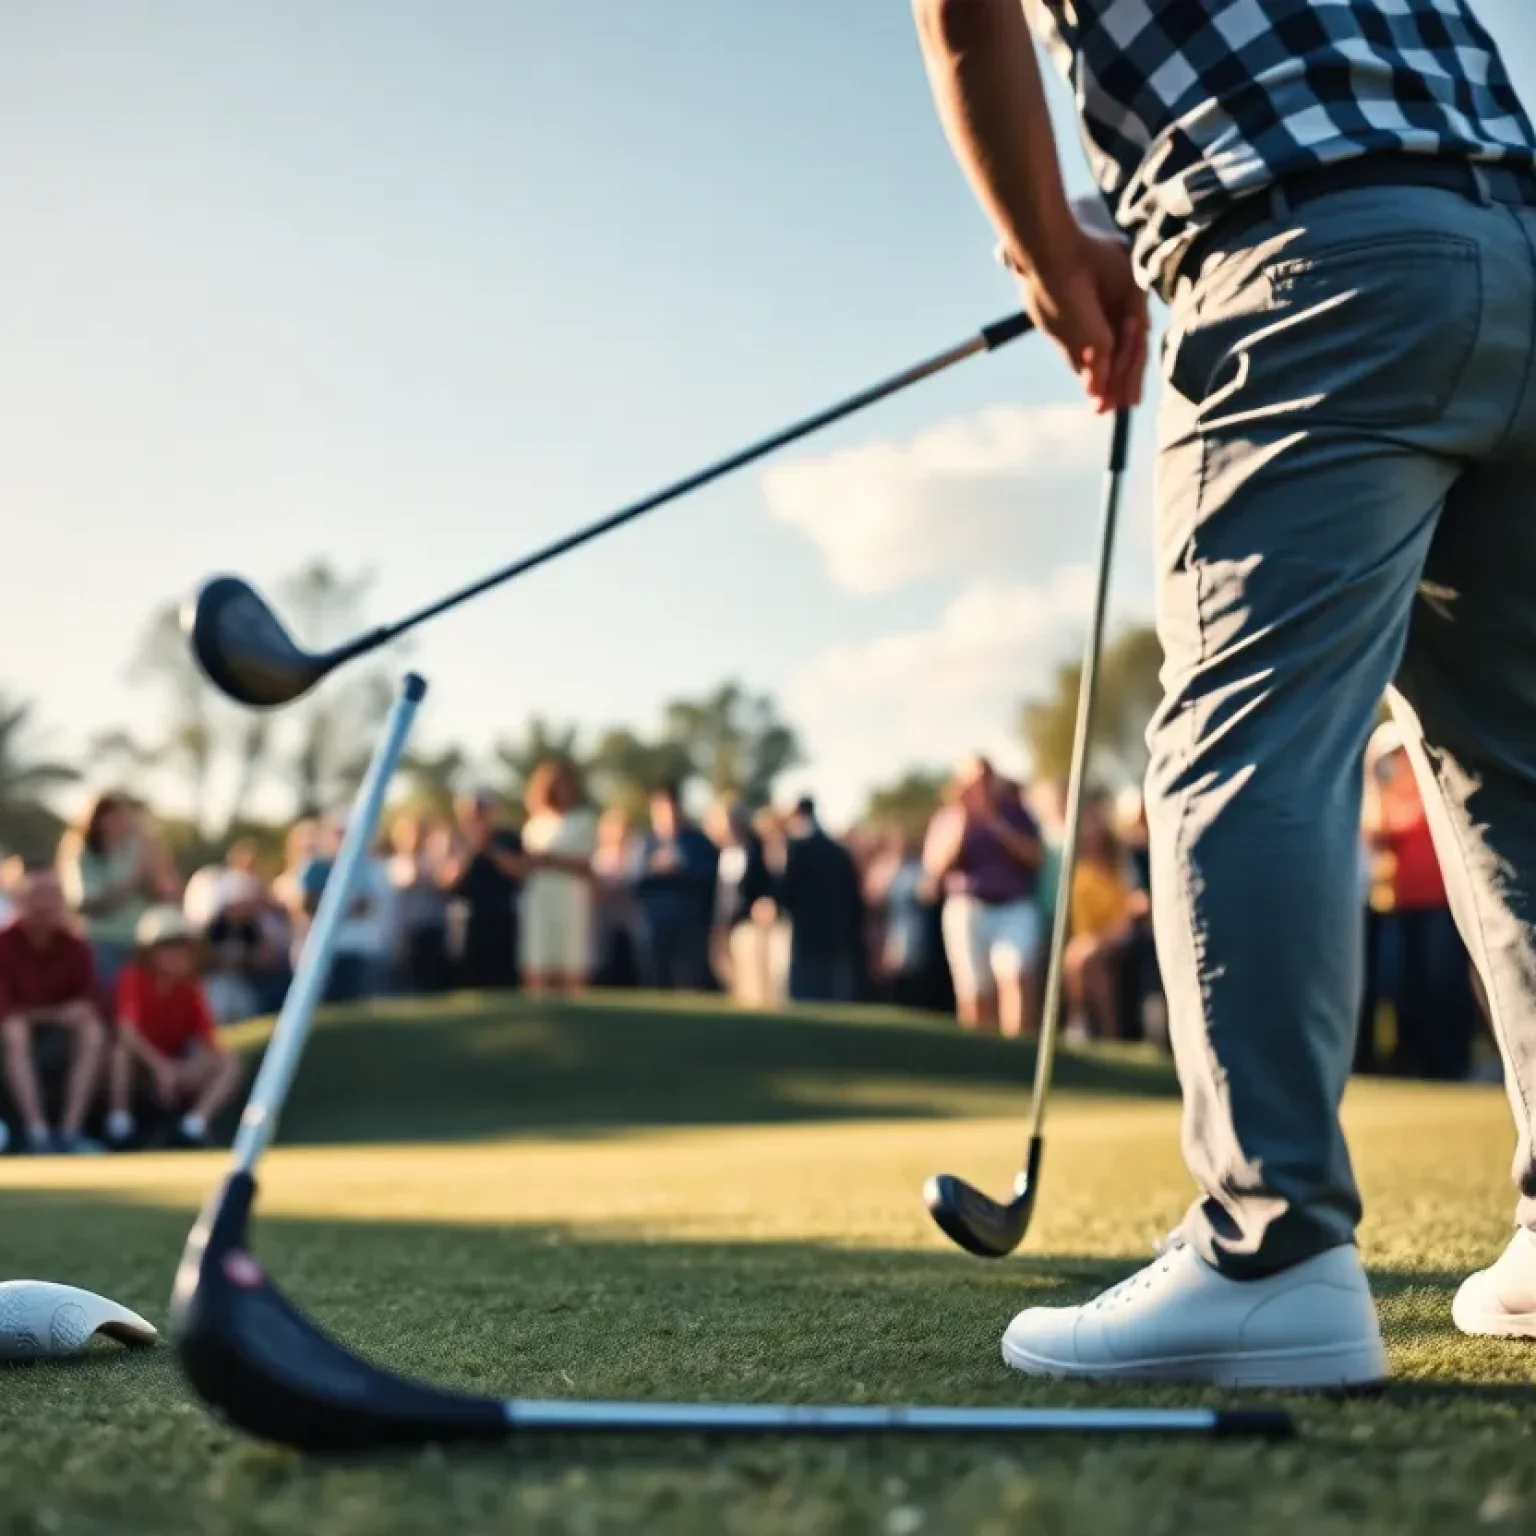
x=1482 y=183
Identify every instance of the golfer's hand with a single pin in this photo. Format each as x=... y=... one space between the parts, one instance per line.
x=1091 y=306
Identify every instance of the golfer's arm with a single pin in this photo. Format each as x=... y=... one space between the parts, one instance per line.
x=986 y=83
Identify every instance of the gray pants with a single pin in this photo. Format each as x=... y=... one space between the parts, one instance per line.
x=1346 y=503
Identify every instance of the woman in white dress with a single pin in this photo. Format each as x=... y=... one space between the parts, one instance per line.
x=560 y=837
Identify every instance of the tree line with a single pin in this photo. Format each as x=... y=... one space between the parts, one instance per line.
x=220 y=761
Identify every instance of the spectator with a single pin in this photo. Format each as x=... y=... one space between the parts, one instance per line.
x=1102 y=914
x=1424 y=956
x=896 y=887
x=1144 y=1008
x=10 y=877
x=616 y=917
x=985 y=850
x=482 y=878
x=679 y=868
x=112 y=868
x=48 y=981
x=420 y=854
x=560 y=836
x=743 y=947
x=365 y=933
x=818 y=892
x=246 y=972
x=166 y=1035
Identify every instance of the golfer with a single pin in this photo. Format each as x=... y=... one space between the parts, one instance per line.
x=1338 y=204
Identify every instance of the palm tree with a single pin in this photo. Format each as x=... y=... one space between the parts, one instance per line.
x=27 y=825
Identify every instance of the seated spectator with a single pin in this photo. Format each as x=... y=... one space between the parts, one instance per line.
x=560 y=838
x=679 y=868
x=420 y=852
x=984 y=849
x=1102 y=912
x=48 y=981
x=166 y=1039
x=246 y=972
x=112 y=869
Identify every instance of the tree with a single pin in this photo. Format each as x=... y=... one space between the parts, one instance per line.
x=434 y=780
x=540 y=742
x=623 y=769
x=1129 y=691
x=734 y=741
x=908 y=804
x=202 y=739
x=27 y=824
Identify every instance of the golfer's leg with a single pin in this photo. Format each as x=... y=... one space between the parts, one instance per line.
x=21 y=1074
x=1306 y=449
x=1467 y=700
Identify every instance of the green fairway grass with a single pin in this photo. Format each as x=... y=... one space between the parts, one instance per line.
x=637 y=1198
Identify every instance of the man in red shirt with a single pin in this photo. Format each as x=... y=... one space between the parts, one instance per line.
x=47 y=979
x=166 y=1033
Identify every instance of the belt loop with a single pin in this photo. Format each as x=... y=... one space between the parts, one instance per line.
x=1279 y=204
x=1482 y=191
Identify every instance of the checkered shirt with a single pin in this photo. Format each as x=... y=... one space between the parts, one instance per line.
x=1189 y=104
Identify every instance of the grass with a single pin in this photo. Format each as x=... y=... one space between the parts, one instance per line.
x=617 y=1199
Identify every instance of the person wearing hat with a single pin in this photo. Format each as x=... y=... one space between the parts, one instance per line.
x=166 y=1034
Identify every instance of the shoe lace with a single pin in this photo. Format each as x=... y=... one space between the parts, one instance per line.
x=1167 y=1251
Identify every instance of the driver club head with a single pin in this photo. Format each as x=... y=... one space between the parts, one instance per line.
x=243 y=648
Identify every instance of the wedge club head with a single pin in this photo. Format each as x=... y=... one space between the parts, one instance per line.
x=243 y=648
x=991 y=1229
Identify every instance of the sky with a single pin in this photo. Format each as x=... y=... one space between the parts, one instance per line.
x=417 y=286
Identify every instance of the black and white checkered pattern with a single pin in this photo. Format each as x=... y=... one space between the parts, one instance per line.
x=1188 y=104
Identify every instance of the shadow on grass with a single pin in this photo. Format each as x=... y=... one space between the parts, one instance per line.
x=544 y=1310
x=472 y=1067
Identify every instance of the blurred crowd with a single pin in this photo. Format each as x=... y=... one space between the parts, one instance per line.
x=129 y=968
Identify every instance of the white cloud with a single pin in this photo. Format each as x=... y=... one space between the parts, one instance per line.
x=1009 y=484
x=923 y=697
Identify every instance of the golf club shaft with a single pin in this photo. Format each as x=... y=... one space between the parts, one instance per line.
x=1061 y=920
x=988 y=339
x=554 y=1416
x=289 y=1034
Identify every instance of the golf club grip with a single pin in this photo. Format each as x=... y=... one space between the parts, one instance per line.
x=1001 y=332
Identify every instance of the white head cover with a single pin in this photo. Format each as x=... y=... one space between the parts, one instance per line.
x=43 y=1321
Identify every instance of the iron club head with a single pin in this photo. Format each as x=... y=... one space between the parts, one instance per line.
x=243 y=648
x=991 y=1229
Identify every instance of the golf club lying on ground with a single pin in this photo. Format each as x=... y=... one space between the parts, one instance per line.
x=260 y=1365
x=246 y=652
x=990 y=1228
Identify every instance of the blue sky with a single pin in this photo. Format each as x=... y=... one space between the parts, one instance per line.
x=417 y=286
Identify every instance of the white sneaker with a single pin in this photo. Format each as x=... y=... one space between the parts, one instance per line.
x=1310 y=1327
x=1500 y=1301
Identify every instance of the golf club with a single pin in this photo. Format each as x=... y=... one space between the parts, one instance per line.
x=990 y=1228
x=261 y=1366
x=246 y=651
